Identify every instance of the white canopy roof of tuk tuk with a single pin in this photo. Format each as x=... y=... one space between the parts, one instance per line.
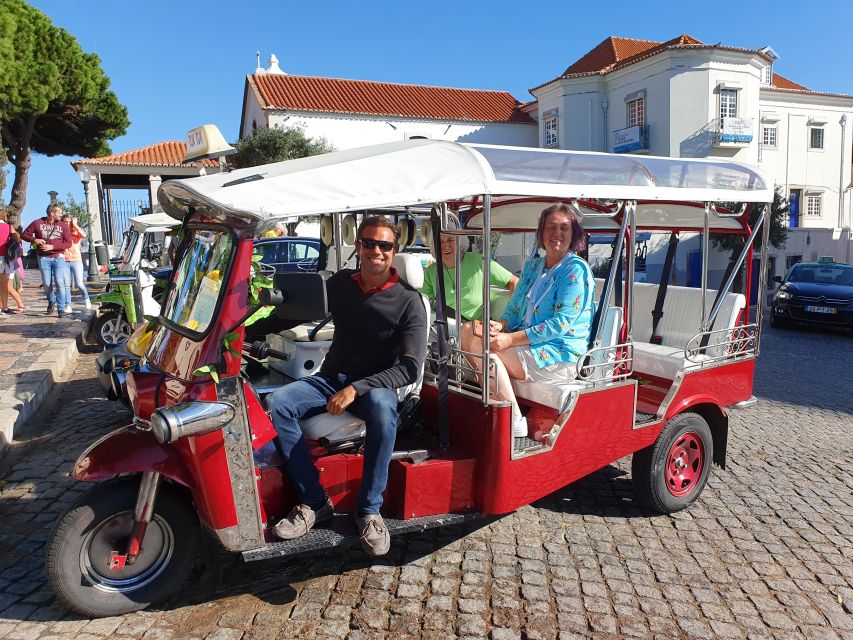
x=415 y=172
x=154 y=222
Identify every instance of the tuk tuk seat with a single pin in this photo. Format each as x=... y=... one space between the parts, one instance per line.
x=557 y=395
x=679 y=323
x=347 y=427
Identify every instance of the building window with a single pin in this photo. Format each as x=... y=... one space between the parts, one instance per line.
x=813 y=206
x=767 y=75
x=768 y=137
x=728 y=103
x=551 y=131
x=816 y=138
x=636 y=112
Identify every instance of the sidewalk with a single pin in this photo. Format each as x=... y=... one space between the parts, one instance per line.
x=35 y=350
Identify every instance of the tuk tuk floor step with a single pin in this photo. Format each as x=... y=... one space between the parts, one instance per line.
x=522 y=444
x=644 y=417
x=342 y=532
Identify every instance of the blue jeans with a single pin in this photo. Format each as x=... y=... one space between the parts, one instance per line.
x=308 y=397
x=76 y=273
x=54 y=272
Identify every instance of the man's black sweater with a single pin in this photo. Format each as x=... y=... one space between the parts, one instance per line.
x=380 y=337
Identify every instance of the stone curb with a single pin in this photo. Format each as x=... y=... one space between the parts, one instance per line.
x=34 y=385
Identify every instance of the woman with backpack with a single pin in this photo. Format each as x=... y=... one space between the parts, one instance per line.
x=11 y=250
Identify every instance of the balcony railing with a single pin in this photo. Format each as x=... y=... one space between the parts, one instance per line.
x=631 y=139
x=731 y=132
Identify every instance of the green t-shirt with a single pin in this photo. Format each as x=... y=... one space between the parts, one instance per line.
x=471 y=279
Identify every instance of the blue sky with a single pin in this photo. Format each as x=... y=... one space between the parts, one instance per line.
x=177 y=64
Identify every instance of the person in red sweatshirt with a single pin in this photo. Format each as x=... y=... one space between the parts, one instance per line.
x=51 y=237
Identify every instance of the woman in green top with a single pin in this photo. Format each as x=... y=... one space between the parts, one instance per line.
x=471 y=278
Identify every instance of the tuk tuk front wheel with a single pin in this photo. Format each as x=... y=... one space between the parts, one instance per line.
x=670 y=474
x=79 y=549
x=112 y=328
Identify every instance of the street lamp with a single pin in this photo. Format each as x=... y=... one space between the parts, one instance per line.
x=84 y=173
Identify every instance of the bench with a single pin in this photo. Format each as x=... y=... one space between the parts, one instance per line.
x=680 y=322
x=557 y=395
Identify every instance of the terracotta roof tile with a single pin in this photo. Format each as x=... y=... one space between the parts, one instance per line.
x=614 y=50
x=162 y=154
x=781 y=82
x=335 y=95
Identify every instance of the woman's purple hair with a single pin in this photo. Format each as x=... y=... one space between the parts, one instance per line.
x=578 y=244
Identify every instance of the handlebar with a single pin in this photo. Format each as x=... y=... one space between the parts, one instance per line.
x=260 y=350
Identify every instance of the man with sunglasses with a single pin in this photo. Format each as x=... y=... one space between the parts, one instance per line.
x=378 y=347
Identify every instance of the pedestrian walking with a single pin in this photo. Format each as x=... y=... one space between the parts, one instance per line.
x=10 y=250
x=51 y=237
x=75 y=262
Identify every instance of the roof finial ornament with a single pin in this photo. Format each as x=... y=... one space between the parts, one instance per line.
x=273 y=66
x=259 y=70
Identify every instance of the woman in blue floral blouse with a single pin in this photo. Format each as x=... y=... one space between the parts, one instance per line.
x=545 y=326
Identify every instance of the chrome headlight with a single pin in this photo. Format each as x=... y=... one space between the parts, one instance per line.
x=783 y=295
x=170 y=424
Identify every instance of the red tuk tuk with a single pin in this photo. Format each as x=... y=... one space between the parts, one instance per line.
x=665 y=363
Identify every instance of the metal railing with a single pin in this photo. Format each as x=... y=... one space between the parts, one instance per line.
x=731 y=130
x=722 y=345
x=603 y=365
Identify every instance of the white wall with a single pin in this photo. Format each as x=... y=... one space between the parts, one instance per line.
x=347 y=132
x=793 y=165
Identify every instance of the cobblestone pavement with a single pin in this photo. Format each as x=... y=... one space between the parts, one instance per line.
x=767 y=552
x=34 y=350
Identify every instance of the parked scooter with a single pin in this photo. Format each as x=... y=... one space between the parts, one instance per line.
x=131 y=293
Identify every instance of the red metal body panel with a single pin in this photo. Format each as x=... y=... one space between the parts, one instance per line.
x=431 y=487
x=599 y=432
x=259 y=422
x=723 y=386
x=205 y=457
x=129 y=450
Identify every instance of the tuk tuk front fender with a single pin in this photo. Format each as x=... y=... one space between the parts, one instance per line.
x=129 y=450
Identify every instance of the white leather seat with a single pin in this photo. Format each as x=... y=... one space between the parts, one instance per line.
x=680 y=322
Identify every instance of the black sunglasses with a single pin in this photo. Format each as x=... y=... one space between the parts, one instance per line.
x=370 y=243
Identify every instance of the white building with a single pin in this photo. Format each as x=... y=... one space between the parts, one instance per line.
x=683 y=98
x=354 y=113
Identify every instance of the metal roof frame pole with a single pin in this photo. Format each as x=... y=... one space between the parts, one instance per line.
x=440 y=330
x=738 y=265
x=631 y=211
x=487 y=253
x=706 y=226
x=762 y=275
x=336 y=228
x=615 y=259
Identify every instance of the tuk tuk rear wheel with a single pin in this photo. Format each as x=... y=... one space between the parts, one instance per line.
x=670 y=474
x=78 y=551
x=112 y=328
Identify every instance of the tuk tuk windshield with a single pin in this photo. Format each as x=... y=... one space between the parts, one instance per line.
x=128 y=245
x=199 y=279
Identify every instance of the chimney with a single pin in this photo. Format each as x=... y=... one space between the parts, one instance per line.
x=274 y=68
x=259 y=70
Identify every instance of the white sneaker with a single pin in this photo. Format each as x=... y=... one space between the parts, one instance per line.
x=67 y=309
x=88 y=303
x=519 y=427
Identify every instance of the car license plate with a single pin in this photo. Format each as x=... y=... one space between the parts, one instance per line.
x=813 y=309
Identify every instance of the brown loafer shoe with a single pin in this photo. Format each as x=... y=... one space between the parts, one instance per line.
x=375 y=539
x=300 y=520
